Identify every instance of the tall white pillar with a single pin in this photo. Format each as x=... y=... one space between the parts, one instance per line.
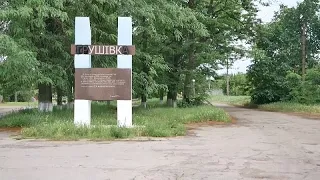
x=124 y=107
x=82 y=108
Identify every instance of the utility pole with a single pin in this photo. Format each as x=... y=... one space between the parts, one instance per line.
x=303 y=49
x=228 y=85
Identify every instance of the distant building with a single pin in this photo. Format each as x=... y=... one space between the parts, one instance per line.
x=2 y=58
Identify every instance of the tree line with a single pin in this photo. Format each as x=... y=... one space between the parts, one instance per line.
x=286 y=56
x=285 y=59
x=177 y=41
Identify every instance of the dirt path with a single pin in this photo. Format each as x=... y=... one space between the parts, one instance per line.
x=263 y=145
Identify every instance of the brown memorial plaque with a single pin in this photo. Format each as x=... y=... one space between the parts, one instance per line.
x=102 y=84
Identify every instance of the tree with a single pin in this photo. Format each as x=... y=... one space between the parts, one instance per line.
x=226 y=22
x=278 y=48
x=37 y=26
x=18 y=68
x=173 y=37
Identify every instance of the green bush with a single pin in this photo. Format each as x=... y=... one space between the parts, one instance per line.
x=194 y=101
x=306 y=92
x=268 y=78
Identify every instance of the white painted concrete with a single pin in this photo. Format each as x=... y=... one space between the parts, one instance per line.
x=82 y=108
x=124 y=107
x=45 y=106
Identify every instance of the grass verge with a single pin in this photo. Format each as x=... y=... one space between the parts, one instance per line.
x=289 y=107
x=155 y=121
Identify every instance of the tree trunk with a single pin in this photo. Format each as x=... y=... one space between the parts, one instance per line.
x=169 y=98
x=45 y=98
x=145 y=67
x=174 y=98
x=161 y=94
x=59 y=98
x=228 y=85
x=190 y=65
x=303 y=50
x=173 y=81
x=189 y=75
x=70 y=94
x=144 y=101
x=70 y=101
x=187 y=88
x=173 y=89
x=228 y=79
x=15 y=96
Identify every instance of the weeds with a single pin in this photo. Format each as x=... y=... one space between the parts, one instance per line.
x=278 y=106
x=155 y=121
x=291 y=107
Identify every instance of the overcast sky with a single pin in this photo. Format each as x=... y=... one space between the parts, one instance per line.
x=266 y=14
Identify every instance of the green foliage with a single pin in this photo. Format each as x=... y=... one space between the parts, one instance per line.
x=25 y=96
x=238 y=84
x=277 y=51
x=310 y=109
x=308 y=91
x=194 y=101
x=294 y=82
x=173 y=38
x=18 y=70
x=292 y=107
x=267 y=78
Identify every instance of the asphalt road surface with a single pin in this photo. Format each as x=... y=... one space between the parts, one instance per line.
x=7 y=109
x=262 y=145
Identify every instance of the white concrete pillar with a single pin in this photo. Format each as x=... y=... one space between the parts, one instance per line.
x=82 y=108
x=124 y=107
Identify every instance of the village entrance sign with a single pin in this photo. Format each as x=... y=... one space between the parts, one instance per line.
x=103 y=83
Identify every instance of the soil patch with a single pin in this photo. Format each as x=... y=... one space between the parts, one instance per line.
x=15 y=129
x=314 y=116
x=191 y=127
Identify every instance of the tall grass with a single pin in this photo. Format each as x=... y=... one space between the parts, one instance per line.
x=155 y=121
x=278 y=106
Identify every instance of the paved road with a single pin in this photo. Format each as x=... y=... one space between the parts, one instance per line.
x=263 y=145
x=7 y=109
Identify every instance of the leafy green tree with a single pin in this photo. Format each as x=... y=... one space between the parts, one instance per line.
x=288 y=43
x=174 y=38
x=307 y=91
x=17 y=69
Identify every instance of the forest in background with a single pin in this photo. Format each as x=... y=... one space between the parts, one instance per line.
x=177 y=41
x=172 y=37
x=285 y=59
x=286 y=56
